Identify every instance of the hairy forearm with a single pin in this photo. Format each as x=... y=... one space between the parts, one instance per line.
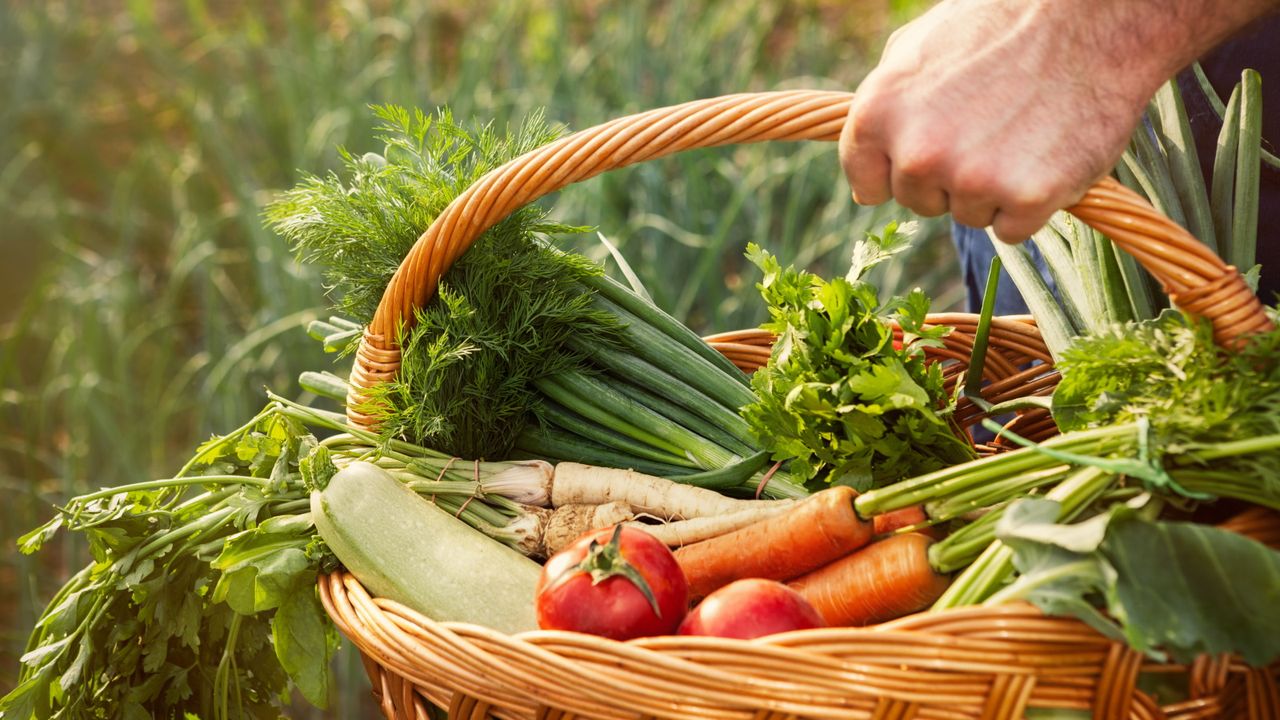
x=1154 y=39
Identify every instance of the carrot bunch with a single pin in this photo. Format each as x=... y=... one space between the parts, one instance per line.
x=852 y=570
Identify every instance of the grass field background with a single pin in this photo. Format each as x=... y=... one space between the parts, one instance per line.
x=143 y=304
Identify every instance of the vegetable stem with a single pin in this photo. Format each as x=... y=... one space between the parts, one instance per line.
x=1223 y=185
x=953 y=480
x=1055 y=327
x=1179 y=146
x=172 y=483
x=1244 y=226
x=994 y=566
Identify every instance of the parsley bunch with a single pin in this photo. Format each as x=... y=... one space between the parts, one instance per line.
x=200 y=601
x=839 y=399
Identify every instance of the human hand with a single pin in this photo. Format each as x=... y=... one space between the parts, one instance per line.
x=1001 y=111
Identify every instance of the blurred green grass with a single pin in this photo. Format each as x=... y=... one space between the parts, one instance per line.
x=143 y=305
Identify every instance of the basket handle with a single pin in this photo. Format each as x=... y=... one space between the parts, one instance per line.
x=1193 y=276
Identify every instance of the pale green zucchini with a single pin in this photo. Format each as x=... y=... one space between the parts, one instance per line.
x=403 y=548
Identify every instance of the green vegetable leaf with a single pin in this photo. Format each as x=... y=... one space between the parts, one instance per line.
x=317 y=468
x=34 y=540
x=1195 y=589
x=304 y=642
x=1060 y=569
x=839 y=398
x=875 y=249
x=1169 y=587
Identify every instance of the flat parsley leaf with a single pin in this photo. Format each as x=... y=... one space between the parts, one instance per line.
x=840 y=399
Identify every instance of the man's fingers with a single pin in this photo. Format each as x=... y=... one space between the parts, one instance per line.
x=978 y=214
x=865 y=163
x=1016 y=226
x=920 y=196
x=868 y=173
x=1028 y=206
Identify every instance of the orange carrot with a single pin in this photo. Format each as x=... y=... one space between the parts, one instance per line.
x=804 y=538
x=885 y=580
x=904 y=517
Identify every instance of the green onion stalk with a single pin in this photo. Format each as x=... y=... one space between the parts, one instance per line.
x=1082 y=470
x=663 y=402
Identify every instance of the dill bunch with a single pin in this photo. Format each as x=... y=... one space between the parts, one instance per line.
x=503 y=313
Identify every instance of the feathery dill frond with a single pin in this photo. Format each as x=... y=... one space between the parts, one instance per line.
x=503 y=313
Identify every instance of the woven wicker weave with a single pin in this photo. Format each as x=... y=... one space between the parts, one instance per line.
x=989 y=663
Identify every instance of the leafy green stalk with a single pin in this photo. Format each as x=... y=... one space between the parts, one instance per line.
x=993 y=568
x=1174 y=132
x=667 y=353
x=1149 y=164
x=739 y=441
x=1137 y=285
x=651 y=314
x=978 y=358
x=1224 y=174
x=993 y=492
x=1244 y=224
x=553 y=443
x=952 y=481
x=1056 y=329
x=595 y=427
x=1065 y=271
x=655 y=383
x=1221 y=111
x=1115 y=291
x=602 y=403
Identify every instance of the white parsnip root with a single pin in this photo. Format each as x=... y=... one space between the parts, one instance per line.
x=577 y=484
x=685 y=532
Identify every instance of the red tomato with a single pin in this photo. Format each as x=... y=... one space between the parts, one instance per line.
x=618 y=583
x=751 y=608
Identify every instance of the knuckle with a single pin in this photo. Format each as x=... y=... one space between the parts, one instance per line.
x=920 y=164
x=971 y=215
x=974 y=182
x=1033 y=197
x=1015 y=227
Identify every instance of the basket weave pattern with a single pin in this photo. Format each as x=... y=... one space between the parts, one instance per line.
x=983 y=662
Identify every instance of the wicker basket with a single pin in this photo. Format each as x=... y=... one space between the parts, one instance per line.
x=966 y=663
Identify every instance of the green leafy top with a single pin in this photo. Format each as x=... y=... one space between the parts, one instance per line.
x=503 y=312
x=838 y=398
x=1170 y=372
x=359 y=227
x=200 y=600
x=1168 y=587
